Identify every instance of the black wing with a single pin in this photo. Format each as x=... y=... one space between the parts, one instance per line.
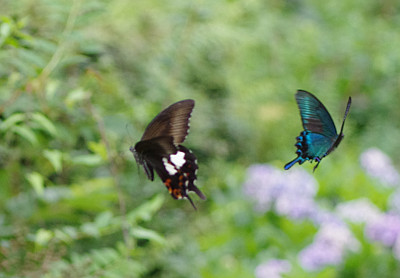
x=172 y=121
x=178 y=173
x=149 y=153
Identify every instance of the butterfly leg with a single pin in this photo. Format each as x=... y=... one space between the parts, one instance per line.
x=318 y=161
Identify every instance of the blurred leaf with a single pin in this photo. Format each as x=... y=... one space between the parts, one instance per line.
x=12 y=121
x=5 y=30
x=142 y=233
x=55 y=158
x=25 y=133
x=66 y=234
x=88 y=159
x=76 y=96
x=104 y=219
x=98 y=148
x=45 y=123
x=90 y=229
x=146 y=211
x=43 y=237
x=95 y=195
x=37 y=182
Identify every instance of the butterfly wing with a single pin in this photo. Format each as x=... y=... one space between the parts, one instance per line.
x=175 y=165
x=178 y=173
x=314 y=115
x=172 y=121
x=149 y=153
x=341 y=135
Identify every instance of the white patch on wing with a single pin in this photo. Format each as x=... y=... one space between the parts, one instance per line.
x=169 y=167
x=178 y=159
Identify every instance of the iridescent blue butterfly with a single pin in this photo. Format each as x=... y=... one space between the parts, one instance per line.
x=319 y=137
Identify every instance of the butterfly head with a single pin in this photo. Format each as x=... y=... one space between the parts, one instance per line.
x=140 y=160
x=138 y=157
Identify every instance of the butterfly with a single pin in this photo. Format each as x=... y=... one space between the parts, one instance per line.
x=159 y=150
x=319 y=137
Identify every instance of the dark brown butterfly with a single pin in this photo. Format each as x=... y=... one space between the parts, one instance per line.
x=159 y=150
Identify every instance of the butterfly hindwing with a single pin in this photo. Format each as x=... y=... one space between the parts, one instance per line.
x=179 y=174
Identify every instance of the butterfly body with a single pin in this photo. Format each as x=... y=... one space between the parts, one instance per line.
x=159 y=150
x=319 y=137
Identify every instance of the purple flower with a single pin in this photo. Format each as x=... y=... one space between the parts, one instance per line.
x=321 y=216
x=385 y=229
x=291 y=192
x=262 y=185
x=272 y=269
x=299 y=182
x=378 y=165
x=295 y=207
x=329 y=247
x=358 y=211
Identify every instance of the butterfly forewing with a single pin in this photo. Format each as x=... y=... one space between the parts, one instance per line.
x=173 y=121
x=314 y=115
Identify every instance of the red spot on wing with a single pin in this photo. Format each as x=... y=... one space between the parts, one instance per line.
x=168 y=185
x=176 y=193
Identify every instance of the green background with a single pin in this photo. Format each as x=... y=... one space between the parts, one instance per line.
x=80 y=81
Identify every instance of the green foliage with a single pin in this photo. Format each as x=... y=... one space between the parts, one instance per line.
x=80 y=80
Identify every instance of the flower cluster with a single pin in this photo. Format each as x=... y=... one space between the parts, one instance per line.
x=378 y=165
x=288 y=193
x=291 y=194
x=329 y=247
x=385 y=229
x=272 y=269
x=358 y=211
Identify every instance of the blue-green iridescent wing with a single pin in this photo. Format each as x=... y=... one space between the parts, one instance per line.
x=314 y=115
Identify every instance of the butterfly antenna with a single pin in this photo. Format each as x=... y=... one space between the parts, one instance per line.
x=345 y=115
x=129 y=134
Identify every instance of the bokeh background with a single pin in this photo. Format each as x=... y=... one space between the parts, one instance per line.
x=80 y=81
